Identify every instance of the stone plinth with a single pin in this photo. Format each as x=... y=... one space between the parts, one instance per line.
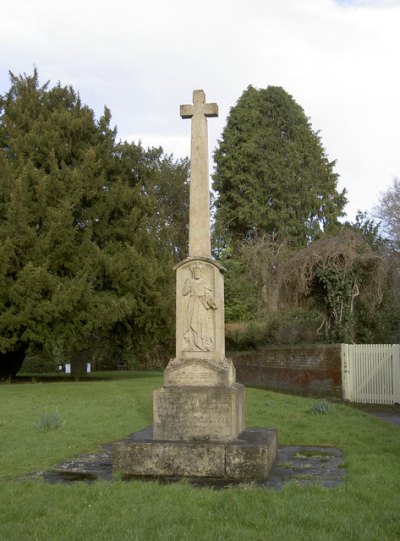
x=196 y=412
x=248 y=457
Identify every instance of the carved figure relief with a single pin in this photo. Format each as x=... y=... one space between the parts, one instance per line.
x=199 y=329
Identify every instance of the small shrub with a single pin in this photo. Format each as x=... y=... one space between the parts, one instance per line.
x=39 y=363
x=49 y=421
x=321 y=407
x=155 y=359
x=245 y=335
x=287 y=327
x=297 y=326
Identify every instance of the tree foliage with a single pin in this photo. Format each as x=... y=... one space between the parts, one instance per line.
x=335 y=272
x=272 y=174
x=368 y=228
x=263 y=259
x=350 y=279
x=388 y=211
x=84 y=256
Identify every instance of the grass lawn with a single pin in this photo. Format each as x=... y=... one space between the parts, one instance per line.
x=364 y=508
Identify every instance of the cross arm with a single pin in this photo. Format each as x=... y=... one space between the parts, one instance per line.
x=186 y=111
x=210 y=109
x=207 y=109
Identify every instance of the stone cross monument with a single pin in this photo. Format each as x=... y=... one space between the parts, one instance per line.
x=198 y=414
x=200 y=370
x=199 y=213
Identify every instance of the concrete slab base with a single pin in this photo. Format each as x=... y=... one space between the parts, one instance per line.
x=249 y=457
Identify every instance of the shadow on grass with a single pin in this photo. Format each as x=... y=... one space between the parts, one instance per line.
x=93 y=376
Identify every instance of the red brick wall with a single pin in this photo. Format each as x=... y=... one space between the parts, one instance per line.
x=307 y=370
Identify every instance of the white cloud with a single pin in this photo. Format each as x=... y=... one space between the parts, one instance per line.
x=143 y=59
x=369 y=3
x=177 y=145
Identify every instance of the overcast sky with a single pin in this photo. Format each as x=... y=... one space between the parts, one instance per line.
x=143 y=58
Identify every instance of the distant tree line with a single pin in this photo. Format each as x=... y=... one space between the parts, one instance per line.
x=295 y=271
x=90 y=228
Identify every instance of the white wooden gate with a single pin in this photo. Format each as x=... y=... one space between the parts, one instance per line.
x=371 y=373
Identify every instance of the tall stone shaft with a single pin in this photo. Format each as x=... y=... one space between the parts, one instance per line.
x=199 y=209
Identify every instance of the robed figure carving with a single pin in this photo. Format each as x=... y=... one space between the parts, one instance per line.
x=199 y=328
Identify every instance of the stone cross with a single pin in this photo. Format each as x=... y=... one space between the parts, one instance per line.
x=198 y=414
x=199 y=208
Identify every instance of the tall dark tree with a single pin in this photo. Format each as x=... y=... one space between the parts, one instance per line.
x=167 y=185
x=272 y=174
x=82 y=259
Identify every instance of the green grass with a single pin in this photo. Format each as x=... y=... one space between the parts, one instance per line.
x=364 y=508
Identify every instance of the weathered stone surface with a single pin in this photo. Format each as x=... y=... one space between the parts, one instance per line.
x=199 y=210
x=198 y=415
x=252 y=455
x=200 y=319
x=249 y=457
x=195 y=372
x=169 y=459
x=193 y=413
x=294 y=464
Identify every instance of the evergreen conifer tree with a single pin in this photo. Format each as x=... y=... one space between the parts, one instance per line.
x=83 y=261
x=272 y=175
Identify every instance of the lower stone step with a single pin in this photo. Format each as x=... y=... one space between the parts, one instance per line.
x=248 y=457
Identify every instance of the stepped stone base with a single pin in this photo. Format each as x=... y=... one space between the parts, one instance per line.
x=248 y=457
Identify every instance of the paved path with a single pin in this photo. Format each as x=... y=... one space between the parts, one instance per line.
x=390 y=417
x=391 y=414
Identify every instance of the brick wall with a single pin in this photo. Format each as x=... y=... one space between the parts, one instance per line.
x=307 y=370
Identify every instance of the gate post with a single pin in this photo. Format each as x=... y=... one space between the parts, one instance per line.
x=346 y=372
x=396 y=373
